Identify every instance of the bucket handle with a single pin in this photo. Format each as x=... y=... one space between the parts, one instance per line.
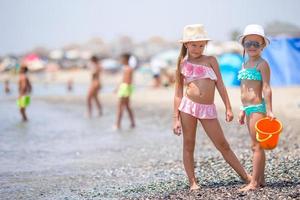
x=262 y=140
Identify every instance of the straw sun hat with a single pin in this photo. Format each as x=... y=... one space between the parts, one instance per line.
x=193 y=33
x=254 y=29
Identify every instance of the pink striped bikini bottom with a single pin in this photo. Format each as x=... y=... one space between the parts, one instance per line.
x=200 y=111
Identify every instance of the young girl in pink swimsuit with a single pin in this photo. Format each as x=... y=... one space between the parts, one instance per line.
x=201 y=75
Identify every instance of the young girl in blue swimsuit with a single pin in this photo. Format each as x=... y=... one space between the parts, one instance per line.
x=256 y=95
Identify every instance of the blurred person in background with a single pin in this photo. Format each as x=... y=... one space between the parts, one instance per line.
x=70 y=85
x=25 y=89
x=125 y=91
x=95 y=86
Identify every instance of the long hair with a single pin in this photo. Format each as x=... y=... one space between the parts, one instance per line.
x=182 y=54
x=244 y=52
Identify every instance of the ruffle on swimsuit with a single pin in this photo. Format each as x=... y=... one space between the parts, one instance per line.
x=192 y=72
x=200 y=111
x=250 y=74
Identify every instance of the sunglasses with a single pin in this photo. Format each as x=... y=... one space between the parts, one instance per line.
x=255 y=44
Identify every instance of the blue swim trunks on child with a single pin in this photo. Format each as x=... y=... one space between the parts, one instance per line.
x=258 y=108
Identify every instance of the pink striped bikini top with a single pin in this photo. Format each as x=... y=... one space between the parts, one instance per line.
x=192 y=72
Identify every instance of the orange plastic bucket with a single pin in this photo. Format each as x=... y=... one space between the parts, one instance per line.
x=267 y=132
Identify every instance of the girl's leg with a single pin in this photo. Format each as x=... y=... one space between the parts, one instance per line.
x=89 y=102
x=121 y=107
x=99 y=106
x=189 y=126
x=258 y=154
x=127 y=104
x=214 y=131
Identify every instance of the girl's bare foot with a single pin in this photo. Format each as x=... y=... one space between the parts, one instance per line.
x=248 y=187
x=194 y=186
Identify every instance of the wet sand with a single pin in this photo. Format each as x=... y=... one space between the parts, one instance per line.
x=59 y=154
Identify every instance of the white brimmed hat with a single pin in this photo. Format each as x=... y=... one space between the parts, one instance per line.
x=254 y=29
x=193 y=33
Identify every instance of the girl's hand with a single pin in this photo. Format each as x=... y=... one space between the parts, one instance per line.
x=270 y=115
x=229 y=115
x=177 y=129
x=241 y=119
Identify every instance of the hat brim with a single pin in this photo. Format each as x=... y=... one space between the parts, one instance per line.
x=241 y=38
x=197 y=40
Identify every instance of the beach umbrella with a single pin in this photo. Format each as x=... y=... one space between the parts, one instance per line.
x=72 y=54
x=157 y=64
x=33 y=62
x=31 y=57
x=169 y=57
x=8 y=63
x=56 y=54
x=232 y=47
x=110 y=64
x=213 y=49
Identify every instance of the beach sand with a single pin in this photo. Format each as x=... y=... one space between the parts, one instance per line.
x=59 y=154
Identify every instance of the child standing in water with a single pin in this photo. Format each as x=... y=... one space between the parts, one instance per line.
x=24 y=91
x=201 y=75
x=95 y=86
x=125 y=91
x=256 y=95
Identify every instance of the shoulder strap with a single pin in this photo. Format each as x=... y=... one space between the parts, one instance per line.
x=244 y=63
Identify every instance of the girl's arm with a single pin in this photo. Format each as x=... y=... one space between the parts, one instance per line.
x=221 y=88
x=177 y=97
x=177 y=129
x=266 y=89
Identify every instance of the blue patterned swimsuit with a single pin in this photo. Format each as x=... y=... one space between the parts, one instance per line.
x=252 y=74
